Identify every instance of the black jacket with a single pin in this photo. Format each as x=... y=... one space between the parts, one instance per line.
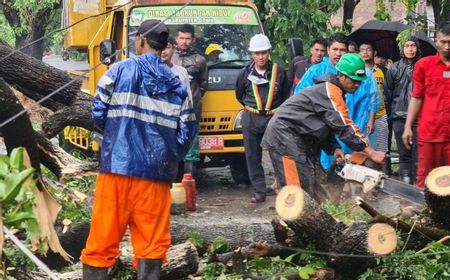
x=316 y=115
x=398 y=84
x=398 y=87
x=244 y=91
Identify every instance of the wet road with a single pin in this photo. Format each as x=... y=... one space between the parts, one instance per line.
x=57 y=62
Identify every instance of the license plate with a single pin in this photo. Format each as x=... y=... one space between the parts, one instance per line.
x=211 y=143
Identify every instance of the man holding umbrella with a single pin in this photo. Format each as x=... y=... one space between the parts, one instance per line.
x=430 y=102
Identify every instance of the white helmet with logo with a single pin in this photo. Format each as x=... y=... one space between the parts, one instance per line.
x=259 y=43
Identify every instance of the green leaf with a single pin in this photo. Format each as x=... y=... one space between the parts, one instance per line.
x=289 y=258
x=16 y=158
x=305 y=272
x=16 y=184
x=15 y=218
x=4 y=165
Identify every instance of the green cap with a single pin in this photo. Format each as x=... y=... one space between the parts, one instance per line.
x=353 y=66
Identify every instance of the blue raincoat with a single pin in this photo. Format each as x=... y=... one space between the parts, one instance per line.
x=147 y=119
x=363 y=101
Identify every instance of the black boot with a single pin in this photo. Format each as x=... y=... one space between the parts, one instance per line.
x=94 y=273
x=149 y=269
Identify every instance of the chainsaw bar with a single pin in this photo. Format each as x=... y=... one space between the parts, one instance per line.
x=403 y=190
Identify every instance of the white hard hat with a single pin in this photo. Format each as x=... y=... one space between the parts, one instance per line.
x=259 y=43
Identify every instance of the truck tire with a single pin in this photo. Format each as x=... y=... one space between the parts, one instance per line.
x=239 y=171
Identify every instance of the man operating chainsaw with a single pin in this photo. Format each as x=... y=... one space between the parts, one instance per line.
x=309 y=122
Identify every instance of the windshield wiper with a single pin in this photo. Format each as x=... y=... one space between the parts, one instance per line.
x=227 y=62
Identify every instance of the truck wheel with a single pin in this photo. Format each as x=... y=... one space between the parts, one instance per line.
x=239 y=171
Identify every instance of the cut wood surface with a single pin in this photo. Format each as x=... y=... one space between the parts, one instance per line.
x=305 y=216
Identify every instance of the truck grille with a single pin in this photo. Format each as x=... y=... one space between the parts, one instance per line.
x=222 y=123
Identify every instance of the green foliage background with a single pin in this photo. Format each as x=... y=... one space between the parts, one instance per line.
x=284 y=19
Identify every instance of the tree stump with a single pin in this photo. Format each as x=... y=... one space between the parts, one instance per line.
x=437 y=195
x=305 y=216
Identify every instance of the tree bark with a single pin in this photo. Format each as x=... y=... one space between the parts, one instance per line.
x=36 y=79
x=182 y=260
x=78 y=114
x=19 y=132
x=62 y=163
x=238 y=233
x=37 y=24
x=441 y=10
x=437 y=195
x=431 y=233
x=349 y=9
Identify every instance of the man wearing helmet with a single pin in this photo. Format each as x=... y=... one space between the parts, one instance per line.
x=309 y=122
x=261 y=87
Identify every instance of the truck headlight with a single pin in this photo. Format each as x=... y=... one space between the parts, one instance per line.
x=237 y=122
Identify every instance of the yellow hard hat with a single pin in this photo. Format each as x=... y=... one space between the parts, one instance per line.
x=213 y=47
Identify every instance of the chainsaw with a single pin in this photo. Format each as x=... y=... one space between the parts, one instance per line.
x=354 y=170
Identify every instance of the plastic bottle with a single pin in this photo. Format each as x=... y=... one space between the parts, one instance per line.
x=178 y=194
x=191 y=193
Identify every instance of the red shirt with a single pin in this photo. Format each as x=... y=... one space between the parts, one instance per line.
x=432 y=84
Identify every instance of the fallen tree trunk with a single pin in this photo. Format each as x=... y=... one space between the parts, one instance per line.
x=37 y=79
x=78 y=114
x=237 y=232
x=18 y=133
x=182 y=260
x=430 y=233
x=305 y=216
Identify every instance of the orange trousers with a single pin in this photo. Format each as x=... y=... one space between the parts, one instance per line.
x=122 y=201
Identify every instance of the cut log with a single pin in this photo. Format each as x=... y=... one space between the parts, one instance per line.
x=305 y=216
x=182 y=261
x=364 y=240
x=437 y=195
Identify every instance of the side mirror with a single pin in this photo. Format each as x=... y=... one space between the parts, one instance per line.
x=107 y=52
x=295 y=47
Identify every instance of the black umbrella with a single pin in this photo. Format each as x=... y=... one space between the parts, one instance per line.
x=384 y=34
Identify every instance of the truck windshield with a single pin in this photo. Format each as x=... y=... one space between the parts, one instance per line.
x=222 y=32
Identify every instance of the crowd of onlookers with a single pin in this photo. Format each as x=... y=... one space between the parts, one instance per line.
x=379 y=106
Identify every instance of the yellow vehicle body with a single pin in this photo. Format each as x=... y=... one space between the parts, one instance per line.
x=220 y=115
